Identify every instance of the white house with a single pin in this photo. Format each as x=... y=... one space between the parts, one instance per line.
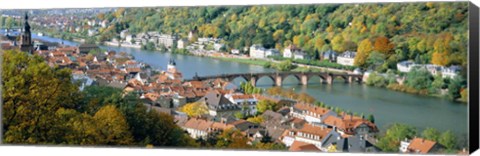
x=288 y=138
x=241 y=99
x=404 y=145
x=235 y=51
x=104 y=23
x=257 y=51
x=272 y=52
x=124 y=33
x=451 y=72
x=92 y=32
x=346 y=58
x=199 y=128
x=181 y=44
x=406 y=66
x=300 y=55
x=329 y=55
x=312 y=134
x=166 y=40
x=433 y=69
x=217 y=46
x=289 y=51
x=309 y=113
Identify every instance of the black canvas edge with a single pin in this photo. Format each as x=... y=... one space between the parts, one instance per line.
x=473 y=77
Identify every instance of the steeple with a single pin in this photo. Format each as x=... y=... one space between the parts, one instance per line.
x=26 y=38
x=171 y=66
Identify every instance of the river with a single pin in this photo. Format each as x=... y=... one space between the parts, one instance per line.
x=387 y=106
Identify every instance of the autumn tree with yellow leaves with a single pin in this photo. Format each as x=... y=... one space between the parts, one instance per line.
x=363 y=51
x=194 y=109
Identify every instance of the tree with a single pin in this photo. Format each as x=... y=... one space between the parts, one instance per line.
x=32 y=93
x=419 y=79
x=269 y=146
x=375 y=60
x=239 y=115
x=95 y=97
x=275 y=91
x=232 y=139
x=371 y=118
x=431 y=134
x=266 y=104
x=75 y=128
x=437 y=84
x=383 y=45
x=256 y=119
x=194 y=109
x=454 y=87
x=464 y=95
x=448 y=140
x=112 y=127
x=338 y=43
x=363 y=51
x=10 y=22
x=155 y=128
x=285 y=65
x=304 y=97
x=374 y=79
x=332 y=148
x=390 y=141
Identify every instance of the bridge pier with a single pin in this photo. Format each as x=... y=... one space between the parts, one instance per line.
x=329 y=79
x=278 y=81
x=304 y=80
x=253 y=80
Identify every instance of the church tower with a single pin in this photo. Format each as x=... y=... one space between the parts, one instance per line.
x=26 y=38
x=171 y=67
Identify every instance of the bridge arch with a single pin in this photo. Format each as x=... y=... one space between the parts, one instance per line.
x=270 y=77
x=321 y=78
x=296 y=77
x=239 y=78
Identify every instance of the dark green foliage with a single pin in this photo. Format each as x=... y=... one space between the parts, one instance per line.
x=419 y=79
x=371 y=118
x=454 y=87
x=51 y=110
x=390 y=140
x=149 y=46
x=341 y=27
x=448 y=140
x=431 y=134
x=376 y=80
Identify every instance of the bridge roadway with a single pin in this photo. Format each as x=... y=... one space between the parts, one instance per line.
x=278 y=77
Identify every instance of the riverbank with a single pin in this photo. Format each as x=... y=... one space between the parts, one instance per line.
x=387 y=105
x=270 y=63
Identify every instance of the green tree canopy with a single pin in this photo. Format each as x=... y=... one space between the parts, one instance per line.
x=32 y=94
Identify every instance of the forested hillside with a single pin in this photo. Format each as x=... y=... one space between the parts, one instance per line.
x=425 y=32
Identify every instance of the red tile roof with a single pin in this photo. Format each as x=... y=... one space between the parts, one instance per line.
x=302 y=146
x=421 y=145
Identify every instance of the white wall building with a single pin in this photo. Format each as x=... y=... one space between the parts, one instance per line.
x=181 y=44
x=257 y=51
x=451 y=72
x=235 y=51
x=217 y=46
x=272 y=52
x=241 y=99
x=300 y=55
x=406 y=66
x=346 y=58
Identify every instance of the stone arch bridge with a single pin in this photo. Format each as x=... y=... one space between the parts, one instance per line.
x=278 y=77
